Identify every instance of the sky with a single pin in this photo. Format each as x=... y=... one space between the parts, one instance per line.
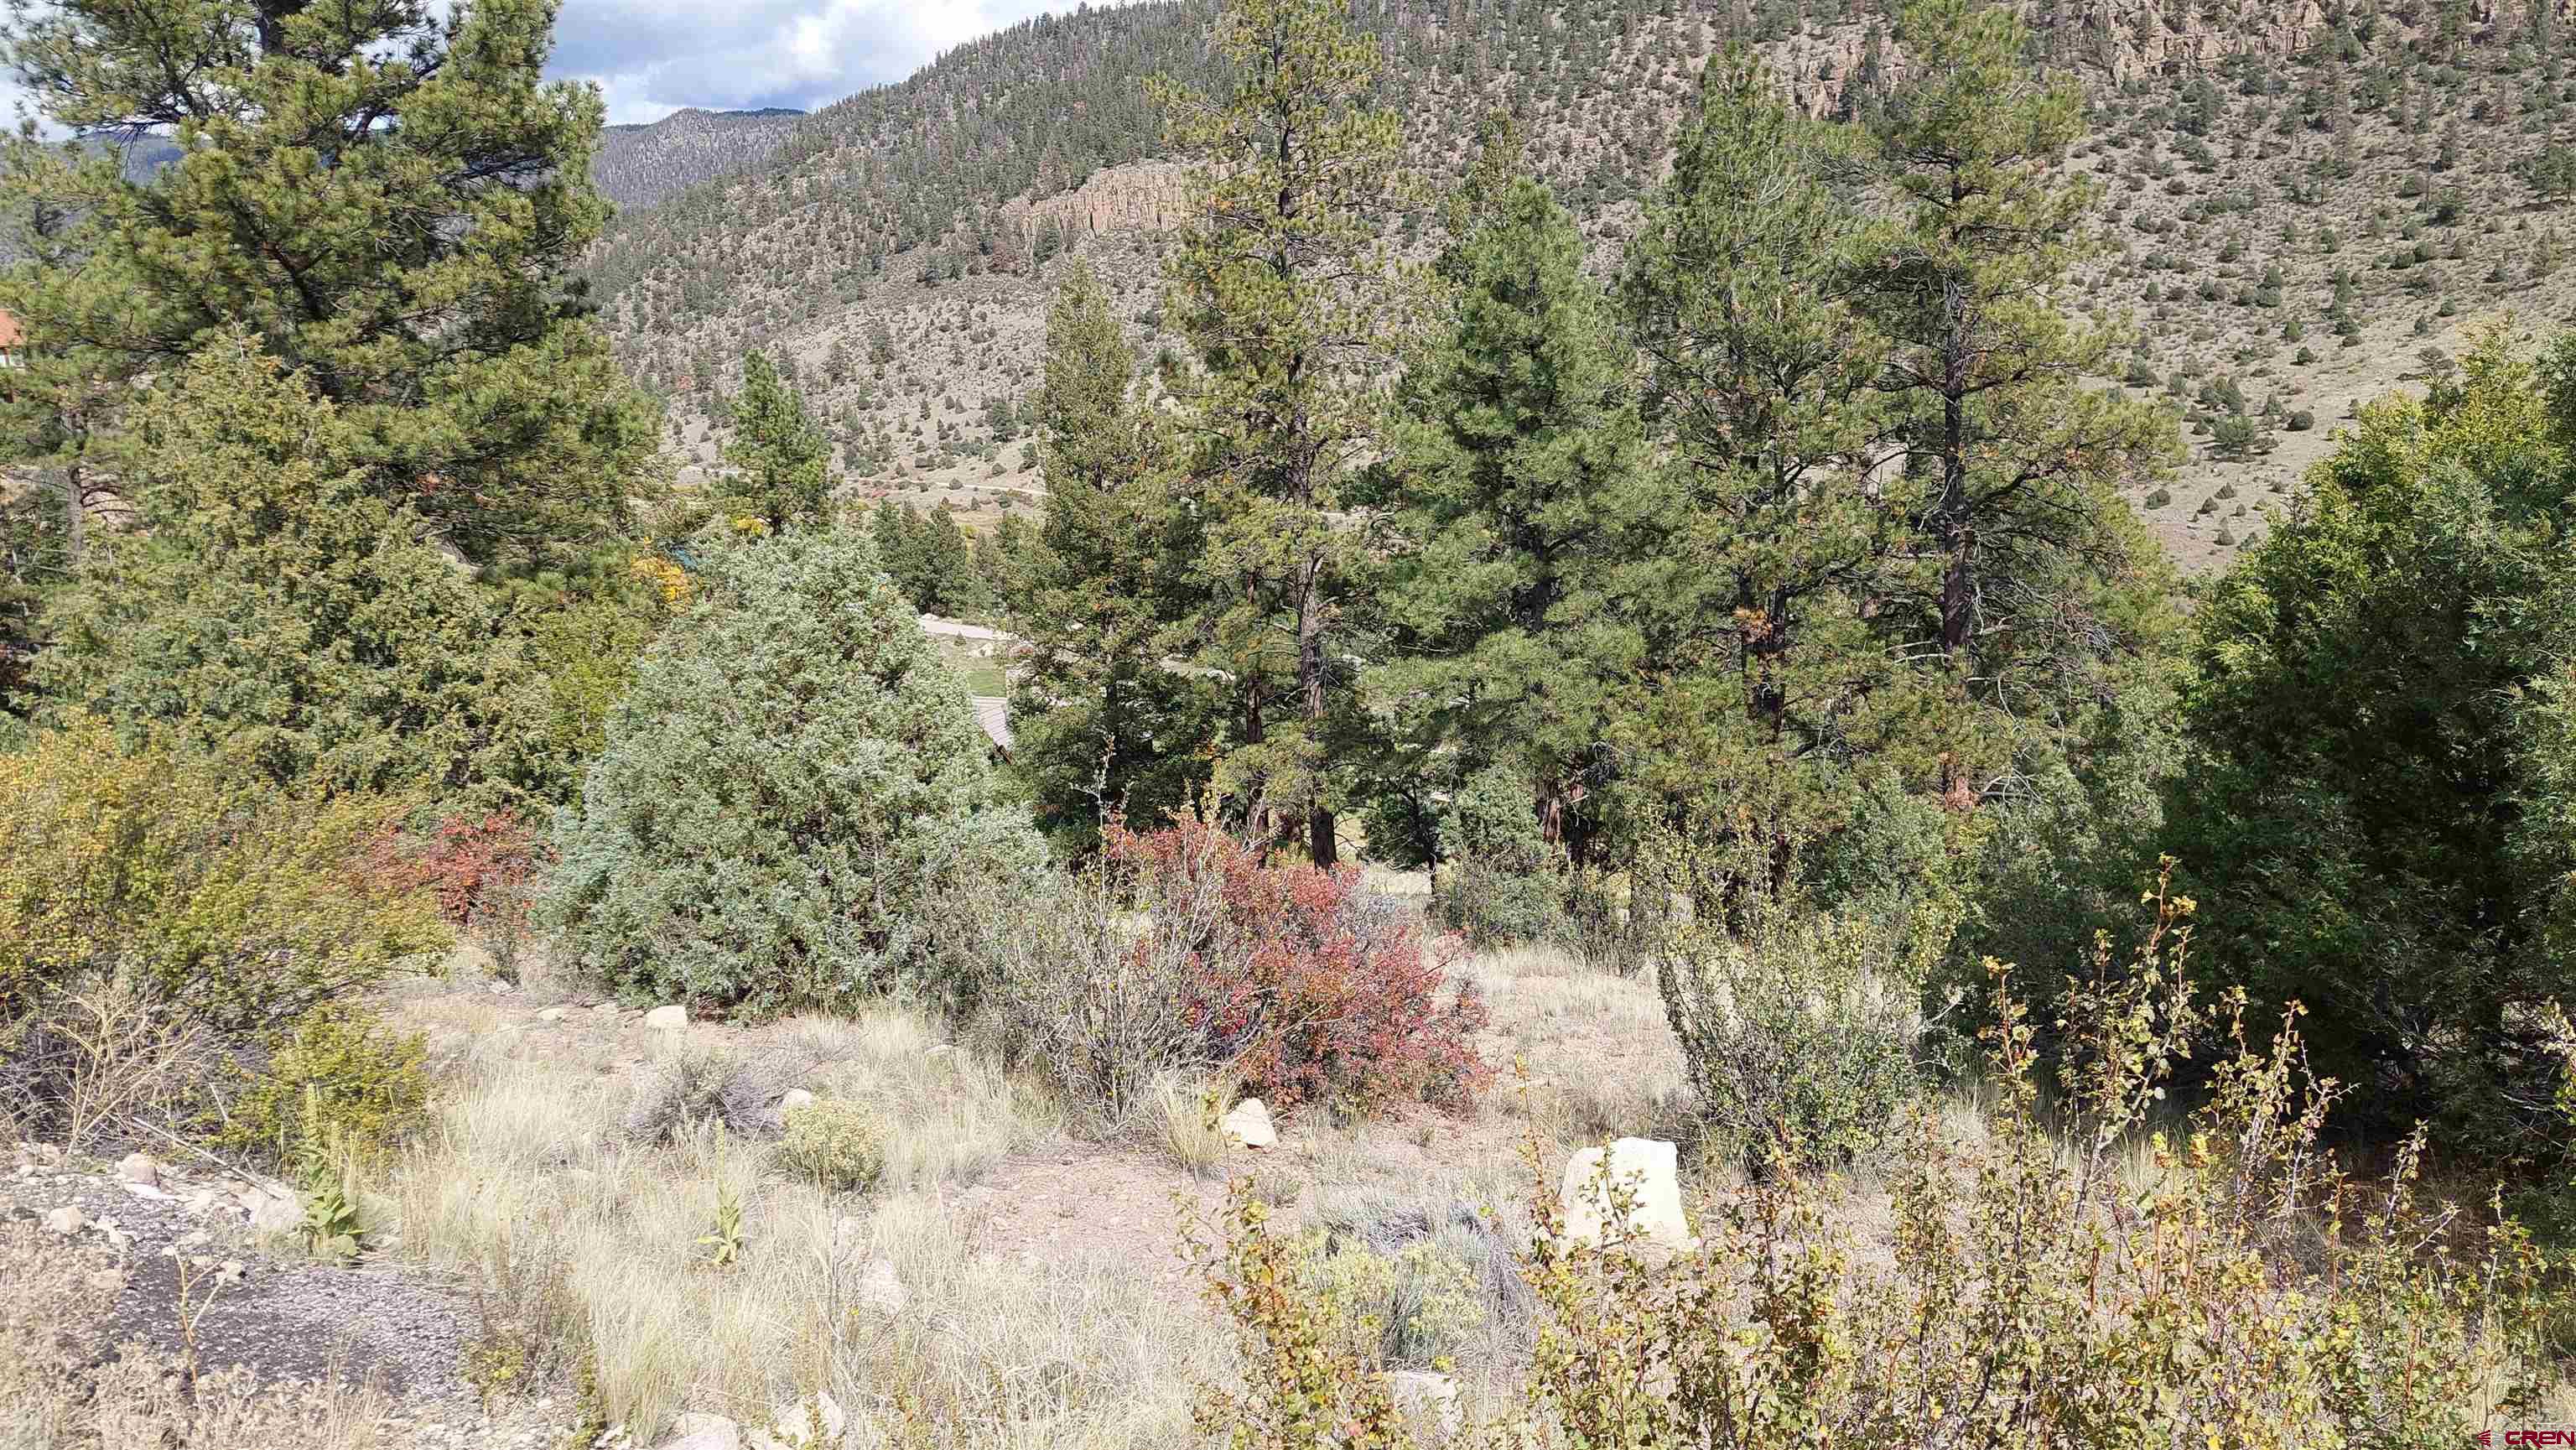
x=652 y=57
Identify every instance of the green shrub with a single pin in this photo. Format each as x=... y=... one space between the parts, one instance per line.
x=1506 y=884
x=272 y=605
x=1798 y=1033
x=336 y=1081
x=837 y=1143
x=793 y=772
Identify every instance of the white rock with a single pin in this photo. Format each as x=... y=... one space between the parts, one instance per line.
x=794 y=1098
x=139 y=1168
x=202 y=1201
x=698 y=1431
x=66 y=1220
x=880 y=1289
x=146 y=1191
x=798 y=1425
x=230 y=1271
x=1249 y=1124
x=667 y=1019
x=1433 y=1397
x=1647 y=1168
x=111 y=1280
x=275 y=1213
x=554 y=1014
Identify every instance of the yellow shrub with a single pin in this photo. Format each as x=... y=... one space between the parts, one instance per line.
x=239 y=902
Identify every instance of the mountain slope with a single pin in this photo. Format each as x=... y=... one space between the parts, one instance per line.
x=2299 y=203
x=640 y=165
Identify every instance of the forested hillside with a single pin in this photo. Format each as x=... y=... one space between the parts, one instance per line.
x=639 y=165
x=2306 y=204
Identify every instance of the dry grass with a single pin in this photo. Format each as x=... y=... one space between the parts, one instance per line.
x=61 y=1389
x=527 y=1183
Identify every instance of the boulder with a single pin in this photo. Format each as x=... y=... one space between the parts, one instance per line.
x=667 y=1019
x=139 y=1168
x=65 y=1220
x=1647 y=1168
x=1426 y=1396
x=700 y=1431
x=880 y=1289
x=1249 y=1124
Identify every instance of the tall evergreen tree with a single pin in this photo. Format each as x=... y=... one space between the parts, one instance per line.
x=783 y=457
x=1105 y=726
x=387 y=196
x=1278 y=281
x=2016 y=465
x=1519 y=464
x=1768 y=695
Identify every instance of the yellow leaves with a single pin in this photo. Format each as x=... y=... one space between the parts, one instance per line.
x=667 y=578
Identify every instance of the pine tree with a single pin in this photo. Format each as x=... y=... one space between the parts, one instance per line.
x=1105 y=726
x=2016 y=464
x=1278 y=281
x=1767 y=693
x=783 y=458
x=388 y=197
x=1519 y=464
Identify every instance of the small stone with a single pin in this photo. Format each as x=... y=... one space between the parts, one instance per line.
x=667 y=1019
x=700 y=1431
x=1249 y=1124
x=230 y=1271
x=110 y=1280
x=139 y=1168
x=794 y=1098
x=880 y=1289
x=1433 y=1397
x=65 y=1220
x=818 y=1423
x=148 y=1193
x=202 y=1201
x=275 y=1213
x=554 y=1014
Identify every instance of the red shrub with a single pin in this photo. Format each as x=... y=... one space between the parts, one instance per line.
x=1309 y=991
x=479 y=867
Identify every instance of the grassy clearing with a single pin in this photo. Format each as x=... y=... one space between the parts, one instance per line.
x=528 y=1186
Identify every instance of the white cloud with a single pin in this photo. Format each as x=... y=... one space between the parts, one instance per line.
x=652 y=57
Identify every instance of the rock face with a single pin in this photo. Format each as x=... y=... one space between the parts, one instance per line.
x=1646 y=1167
x=667 y=1019
x=1249 y=1124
